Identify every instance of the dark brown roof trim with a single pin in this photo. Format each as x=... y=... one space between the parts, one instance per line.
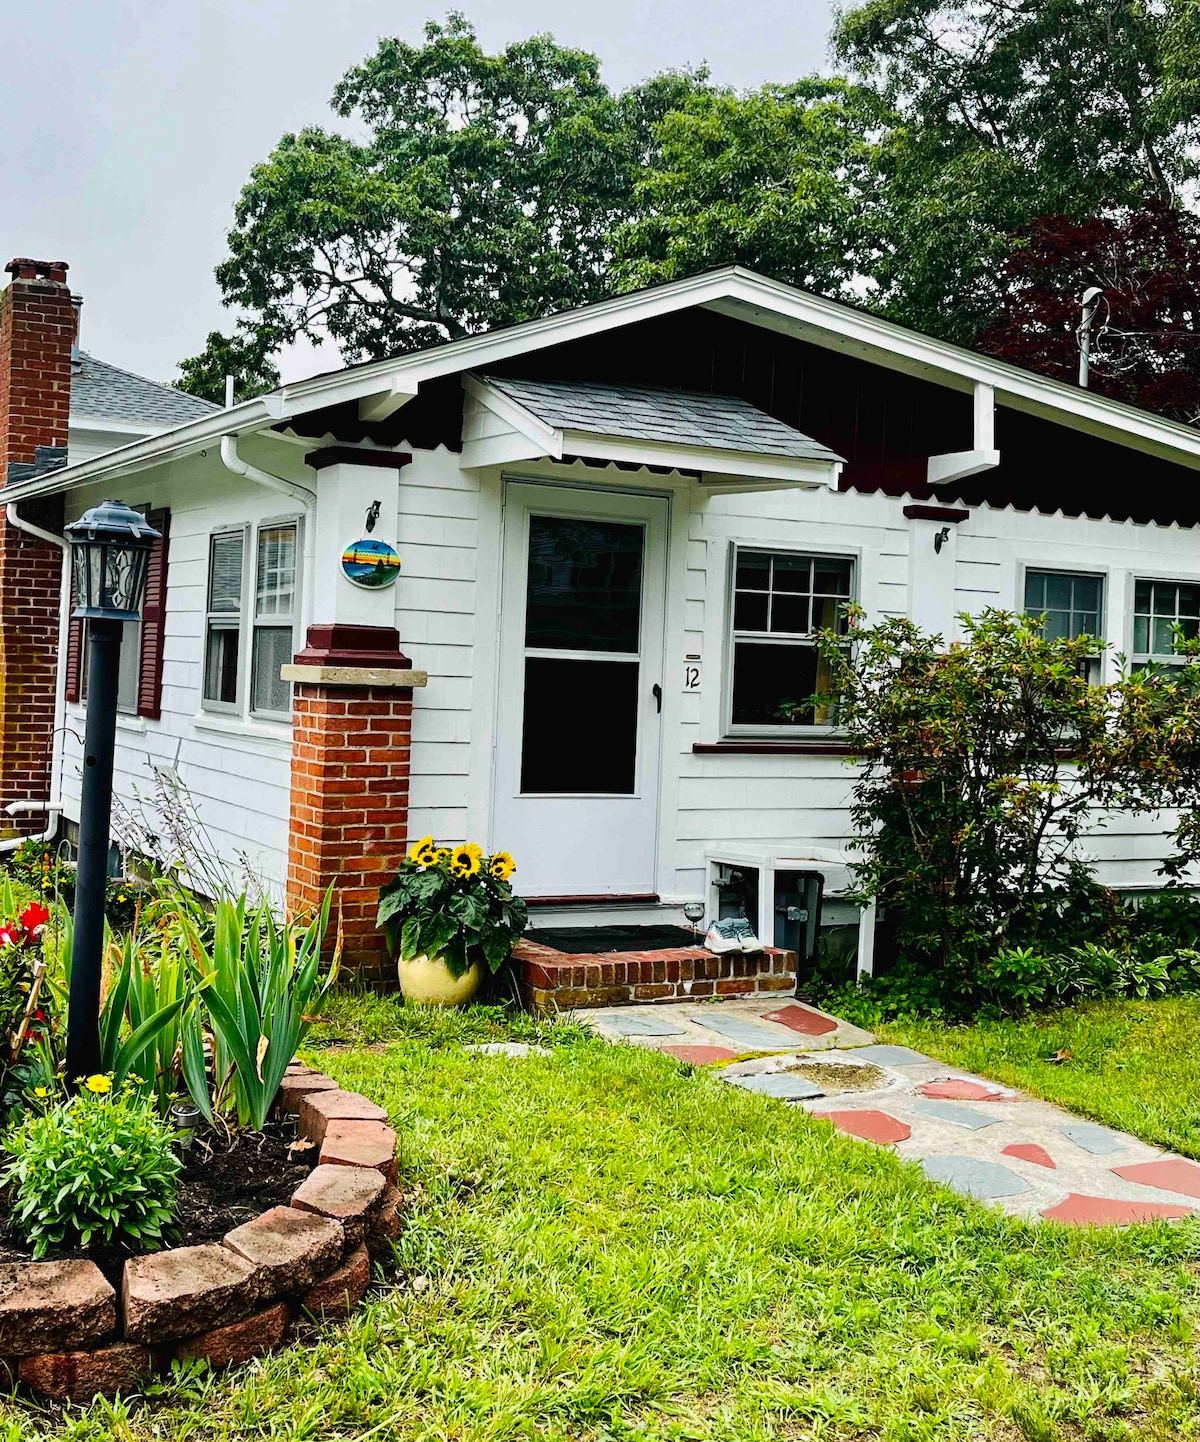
x=356 y=456
x=936 y=513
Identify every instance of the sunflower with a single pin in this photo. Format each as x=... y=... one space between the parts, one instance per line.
x=502 y=866
x=423 y=852
x=465 y=859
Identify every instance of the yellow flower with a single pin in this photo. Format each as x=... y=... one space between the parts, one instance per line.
x=465 y=859
x=41 y=1091
x=502 y=865
x=441 y=856
x=423 y=851
x=99 y=1084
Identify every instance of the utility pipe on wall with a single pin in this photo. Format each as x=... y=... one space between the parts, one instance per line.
x=53 y=805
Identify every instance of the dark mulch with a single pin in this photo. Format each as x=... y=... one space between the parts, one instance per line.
x=224 y=1182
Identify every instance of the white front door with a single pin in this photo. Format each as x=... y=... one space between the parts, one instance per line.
x=577 y=749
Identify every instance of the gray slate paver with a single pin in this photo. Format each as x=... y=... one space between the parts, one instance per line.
x=956 y=1115
x=780 y=1084
x=973 y=1177
x=638 y=1024
x=884 y=1055
x=747 y=1034
x=1097 y=1140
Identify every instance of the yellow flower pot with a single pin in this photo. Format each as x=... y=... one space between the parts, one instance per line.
x=426 y=980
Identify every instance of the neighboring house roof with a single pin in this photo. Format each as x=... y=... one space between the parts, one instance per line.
x=378 y=388
x=106 y=392
x=717 y=422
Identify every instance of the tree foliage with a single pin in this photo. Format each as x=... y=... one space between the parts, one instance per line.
x=483 y=192
x=1006 y=111
x=460 y=190
x=983 y=763
x=1146 y=346
x=780 y=180
x=243 y=355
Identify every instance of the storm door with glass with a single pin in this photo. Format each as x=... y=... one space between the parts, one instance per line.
x=577 y=754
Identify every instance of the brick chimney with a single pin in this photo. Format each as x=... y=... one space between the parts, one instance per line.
x=37 y=330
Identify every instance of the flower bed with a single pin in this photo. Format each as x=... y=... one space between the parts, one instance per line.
x=67 y=1332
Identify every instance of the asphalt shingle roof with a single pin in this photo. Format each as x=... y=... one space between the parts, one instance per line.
x=109 y=393
x=690 y=418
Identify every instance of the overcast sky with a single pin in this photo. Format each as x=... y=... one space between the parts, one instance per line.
x=130 y=125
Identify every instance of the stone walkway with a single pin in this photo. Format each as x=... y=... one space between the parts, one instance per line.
x=1029 y=1157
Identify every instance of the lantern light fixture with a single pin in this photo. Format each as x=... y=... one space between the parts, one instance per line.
x=110 y=550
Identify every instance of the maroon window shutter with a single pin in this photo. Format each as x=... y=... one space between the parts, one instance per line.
x=74 y=656
x=154 y=617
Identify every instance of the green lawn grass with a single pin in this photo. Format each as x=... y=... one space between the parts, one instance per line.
x=1132 y=1064
x=604 y=1245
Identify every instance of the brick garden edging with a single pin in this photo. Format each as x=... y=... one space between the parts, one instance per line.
x=562 y=981
x=65 y=1333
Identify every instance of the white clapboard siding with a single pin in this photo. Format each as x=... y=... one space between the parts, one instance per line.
x=238 y=781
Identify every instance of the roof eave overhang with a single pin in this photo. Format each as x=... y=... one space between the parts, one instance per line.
x=381 y=386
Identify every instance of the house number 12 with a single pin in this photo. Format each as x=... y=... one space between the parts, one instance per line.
x=691 y=675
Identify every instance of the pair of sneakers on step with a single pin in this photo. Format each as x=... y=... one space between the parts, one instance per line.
x=731 y=933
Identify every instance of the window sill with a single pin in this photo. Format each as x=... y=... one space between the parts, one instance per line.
x=279 y=734
x=126 y=721
x=814 y=746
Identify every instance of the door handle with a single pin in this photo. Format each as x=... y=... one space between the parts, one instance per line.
x=656 y=692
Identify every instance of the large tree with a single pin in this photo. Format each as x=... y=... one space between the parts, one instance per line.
x=781 y=179
x=476 y=191
x=1008 y=110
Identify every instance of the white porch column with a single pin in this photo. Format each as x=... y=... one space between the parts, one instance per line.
x=932 y=556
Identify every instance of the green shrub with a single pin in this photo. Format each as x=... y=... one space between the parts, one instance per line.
x=98 y=1169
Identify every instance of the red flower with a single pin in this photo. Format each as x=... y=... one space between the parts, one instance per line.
x=8 y=936
x=34 y=917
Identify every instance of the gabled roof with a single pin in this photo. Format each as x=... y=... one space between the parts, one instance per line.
x=100 y=391
x=715 y=422
x=378 y=388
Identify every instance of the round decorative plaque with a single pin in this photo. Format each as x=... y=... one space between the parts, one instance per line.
x=370 y=563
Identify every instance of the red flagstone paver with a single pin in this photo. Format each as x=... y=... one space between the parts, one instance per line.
x=1172 y=1174
x=802 y=1019
x=1081 y=1211
x=700 y=1055
x=871 y=1126
x=959 y=1089
x=1031 y=1152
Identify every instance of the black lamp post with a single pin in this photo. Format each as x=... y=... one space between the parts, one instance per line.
x=110 y=547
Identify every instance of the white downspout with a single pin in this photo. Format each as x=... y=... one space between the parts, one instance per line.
x=308 y=498
x=52 y=806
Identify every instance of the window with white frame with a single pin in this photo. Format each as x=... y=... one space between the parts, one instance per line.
x=223 y=631
x=274 y=619
x=1071 y=602
x=251 y=627
x=780 y=599
x=1163 y=611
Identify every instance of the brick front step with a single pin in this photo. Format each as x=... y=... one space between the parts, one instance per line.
x=558 y=981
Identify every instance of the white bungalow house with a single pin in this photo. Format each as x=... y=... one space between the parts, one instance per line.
x=616 y=529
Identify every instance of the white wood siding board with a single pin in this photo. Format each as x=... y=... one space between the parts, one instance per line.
x=444 y=758
x=444 y=693
x=446 y=824
x=435 y=793
x=764 y=793
x=424 y=593
x=440 y=726
x=789 y=824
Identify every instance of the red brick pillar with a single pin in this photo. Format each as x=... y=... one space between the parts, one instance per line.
x=37 y=329
x=351 y=736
